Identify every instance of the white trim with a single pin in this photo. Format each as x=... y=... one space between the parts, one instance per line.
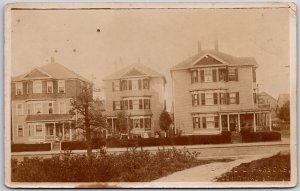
x=213 y=56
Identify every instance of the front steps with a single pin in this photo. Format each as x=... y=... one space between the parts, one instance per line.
x=56 y=146
x=236 y=137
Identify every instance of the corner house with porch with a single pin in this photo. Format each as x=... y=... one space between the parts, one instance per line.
x=41 y=104
x=138 y=91
x=215 y=92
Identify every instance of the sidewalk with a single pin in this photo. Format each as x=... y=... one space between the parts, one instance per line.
x=154 y=148
x=208 y=172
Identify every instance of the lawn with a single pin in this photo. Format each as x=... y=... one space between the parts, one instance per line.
x=130 y=166
x=275 y=168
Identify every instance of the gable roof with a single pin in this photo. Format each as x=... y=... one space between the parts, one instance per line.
x=228 y=59
x=53 y=70
x=134 y=70
x=262 y=94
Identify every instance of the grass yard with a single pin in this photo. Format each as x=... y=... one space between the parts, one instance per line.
x=275 y=168
x=131 y=166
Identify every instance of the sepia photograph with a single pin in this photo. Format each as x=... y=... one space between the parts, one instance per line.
x=150 y=95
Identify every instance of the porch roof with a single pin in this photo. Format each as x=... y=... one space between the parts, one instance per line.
x=240 y=111
x=49 y=117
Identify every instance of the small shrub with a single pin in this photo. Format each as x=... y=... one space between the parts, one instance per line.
x=30 y=147
x=81 y=145
x=170 y=141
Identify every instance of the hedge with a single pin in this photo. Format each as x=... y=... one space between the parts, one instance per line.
x=31 y=147
x=180 y=140
x=260 y=136
x=81 y=145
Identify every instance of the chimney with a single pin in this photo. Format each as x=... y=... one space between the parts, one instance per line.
x=216 y=45
x=199 y=46
x=52 y=60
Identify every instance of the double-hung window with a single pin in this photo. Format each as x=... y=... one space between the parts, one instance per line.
x=195 y=99
x=20 y=132
x=232 y=74
x=62 y=107
x=19 y=88
x=50 y=108
x=49 y=86
x=146 y=103
x=61 y=86
x=196 y=122
x=194 y=76
x=233 y=98
x=37 y=86
x=209 y=99
x=208 y=76
x=38 y=108
x=19 y=109
x=38 y=130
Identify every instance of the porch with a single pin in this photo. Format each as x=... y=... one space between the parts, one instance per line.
x=60 y=131
x=251 y=121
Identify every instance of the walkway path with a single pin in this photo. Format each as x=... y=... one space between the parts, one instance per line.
x=208 y=172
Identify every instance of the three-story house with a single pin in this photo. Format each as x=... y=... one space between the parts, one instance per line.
x=41 y=103
x=215 y=92
x=138 y=91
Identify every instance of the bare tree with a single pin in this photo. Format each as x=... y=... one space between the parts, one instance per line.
x=90 y=119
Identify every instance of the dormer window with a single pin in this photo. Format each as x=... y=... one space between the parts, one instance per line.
x=61 y=86
x=37 y=86
x=49 y=87
x=19 y=88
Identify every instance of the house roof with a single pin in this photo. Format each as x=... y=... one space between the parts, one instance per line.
x=52 y=70
x=267 y=95
x=282 y=99
x=134 y=70
x=223 y=57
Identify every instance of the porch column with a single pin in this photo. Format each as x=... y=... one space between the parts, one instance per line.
x=44 y=131
x=270 y=121
x=63 y=131
x=112 y=125
x=54 y=131
x=220 y=122
x=70 y=126
x=254 y=122
x=228 y=128
x=239 y=123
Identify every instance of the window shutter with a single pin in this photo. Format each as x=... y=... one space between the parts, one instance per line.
x=130 y=104
x=215 y=98
x=203 y=122
x=129 y=85
x=140 y=104
x=192 y=76
x=220 y=99
x=216 y=121
x=227 y=98
x=114 y=105
x=149 y=103
x=202 y=75
x=140 y=84
x=226 y=74
x=198 y=101
x=113 y=86
x=193 y=99
x=203 y=99
x=236 y=75
x=237 y=98
x=214 y=72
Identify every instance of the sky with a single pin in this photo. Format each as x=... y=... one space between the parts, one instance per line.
x=95 y=43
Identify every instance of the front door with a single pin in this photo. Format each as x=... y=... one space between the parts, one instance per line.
x=233 y=122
